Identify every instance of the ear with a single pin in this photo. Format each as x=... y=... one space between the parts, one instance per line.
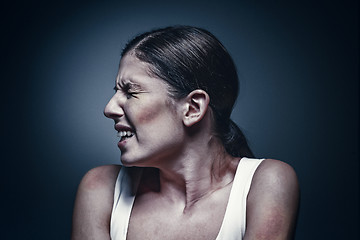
x=196 y=105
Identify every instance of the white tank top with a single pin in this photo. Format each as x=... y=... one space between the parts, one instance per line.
x=234 y=222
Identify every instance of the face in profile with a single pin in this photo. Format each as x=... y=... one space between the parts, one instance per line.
x=147 y=119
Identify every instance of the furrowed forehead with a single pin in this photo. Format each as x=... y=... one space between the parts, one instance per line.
x=127 y=82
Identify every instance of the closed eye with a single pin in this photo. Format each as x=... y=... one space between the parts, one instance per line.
x=126 y=90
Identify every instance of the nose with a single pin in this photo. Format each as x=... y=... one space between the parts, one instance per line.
x=114 y=108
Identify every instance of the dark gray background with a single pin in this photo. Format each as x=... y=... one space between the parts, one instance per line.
x=298 y=67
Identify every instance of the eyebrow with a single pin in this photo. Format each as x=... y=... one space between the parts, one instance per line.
x=125 y=83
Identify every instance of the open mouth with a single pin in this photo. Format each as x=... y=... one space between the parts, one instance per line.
x=124 y=135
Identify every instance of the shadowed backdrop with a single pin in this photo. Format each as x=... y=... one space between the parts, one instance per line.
x=298 y=70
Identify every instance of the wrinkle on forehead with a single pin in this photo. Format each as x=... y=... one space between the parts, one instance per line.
x=127 y=82
x=131 y=72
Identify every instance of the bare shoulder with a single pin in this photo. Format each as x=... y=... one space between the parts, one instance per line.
x=272 y=202
x=100 y=177
x=93 y=204
x=276 y=175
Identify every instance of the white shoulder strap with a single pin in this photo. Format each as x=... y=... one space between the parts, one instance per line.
x=234 y=223
x=124 y=196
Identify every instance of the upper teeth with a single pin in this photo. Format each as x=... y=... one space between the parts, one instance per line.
x=125 y=134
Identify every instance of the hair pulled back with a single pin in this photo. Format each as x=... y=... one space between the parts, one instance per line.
x=190 y=58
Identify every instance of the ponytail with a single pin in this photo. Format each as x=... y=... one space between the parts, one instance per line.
x=235 y=142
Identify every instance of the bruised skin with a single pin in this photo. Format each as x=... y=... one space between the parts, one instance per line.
x=153 y=109
x=147 y=115
x=150 y=112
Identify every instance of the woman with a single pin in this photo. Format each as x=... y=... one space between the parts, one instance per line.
x=187 y=171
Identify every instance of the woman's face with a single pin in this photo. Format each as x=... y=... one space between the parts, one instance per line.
x=148 y=121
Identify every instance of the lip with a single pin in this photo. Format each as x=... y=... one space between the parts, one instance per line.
x=121 y=144
x=120 y=127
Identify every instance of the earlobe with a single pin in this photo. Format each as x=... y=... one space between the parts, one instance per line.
x=196 y=105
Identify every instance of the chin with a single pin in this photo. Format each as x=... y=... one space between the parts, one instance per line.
x=125 y=162
x=131 y=162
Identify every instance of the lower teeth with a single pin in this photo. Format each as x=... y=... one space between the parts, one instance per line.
x=122 y=138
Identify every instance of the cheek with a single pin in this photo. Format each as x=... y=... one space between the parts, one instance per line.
x=148 y=114
x=154 y=111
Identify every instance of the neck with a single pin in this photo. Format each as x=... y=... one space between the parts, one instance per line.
x=197 y=174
